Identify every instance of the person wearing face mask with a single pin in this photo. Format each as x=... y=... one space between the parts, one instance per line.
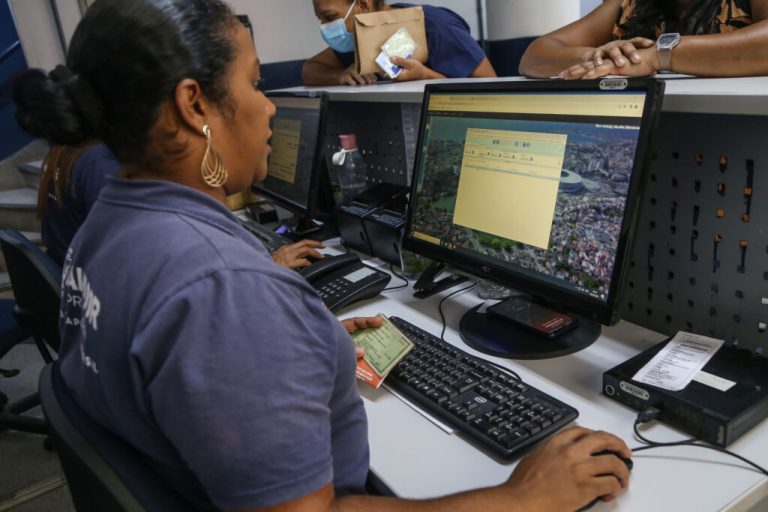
x=453 y=52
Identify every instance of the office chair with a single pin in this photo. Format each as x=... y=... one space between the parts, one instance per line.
x=103 y=472
x=10 y=414
x=10 y=333
x=36 y=282
x=35 y=279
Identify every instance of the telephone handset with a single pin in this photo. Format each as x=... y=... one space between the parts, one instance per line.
x=344 y=279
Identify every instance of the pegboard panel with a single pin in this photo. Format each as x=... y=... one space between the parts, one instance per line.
x=700 y=261
x=386 y=136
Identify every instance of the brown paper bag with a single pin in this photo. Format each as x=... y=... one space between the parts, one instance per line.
x=374 y=28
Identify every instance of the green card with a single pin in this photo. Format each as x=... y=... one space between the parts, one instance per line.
x=384 y=346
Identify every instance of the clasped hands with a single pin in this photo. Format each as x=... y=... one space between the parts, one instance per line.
x=633 y=57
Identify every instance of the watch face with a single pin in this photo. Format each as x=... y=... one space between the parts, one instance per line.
x=666 y=40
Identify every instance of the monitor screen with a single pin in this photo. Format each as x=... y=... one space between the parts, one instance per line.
x=530 y=184
x=295 y=158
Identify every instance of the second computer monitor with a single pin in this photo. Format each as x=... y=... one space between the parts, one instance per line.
x=296 y=160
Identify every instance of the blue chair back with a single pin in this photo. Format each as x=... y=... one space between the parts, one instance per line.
x=36 y=282
x=10 y=332
x=103 y=472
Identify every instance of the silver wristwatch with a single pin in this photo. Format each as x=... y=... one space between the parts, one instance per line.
x=664 y=45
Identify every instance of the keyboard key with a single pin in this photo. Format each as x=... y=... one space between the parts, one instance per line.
x=465 y=384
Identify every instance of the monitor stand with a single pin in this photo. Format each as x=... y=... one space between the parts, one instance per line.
x=426 y=286
x=495 y=336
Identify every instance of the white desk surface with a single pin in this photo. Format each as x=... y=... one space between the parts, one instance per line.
x=418 y=460
x=742 y=96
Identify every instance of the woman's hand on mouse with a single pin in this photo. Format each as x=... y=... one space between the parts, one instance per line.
x=563 y=475
x=295 y=256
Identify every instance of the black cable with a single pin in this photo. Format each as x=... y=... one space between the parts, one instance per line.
x=502 y=369
x=647 y=441
x=758 y=468
x=440 y=306
x=509 y=372
x=400 y=277
x=652 y=413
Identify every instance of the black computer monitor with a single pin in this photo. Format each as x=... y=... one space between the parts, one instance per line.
x=295 y=177
x=534 y=185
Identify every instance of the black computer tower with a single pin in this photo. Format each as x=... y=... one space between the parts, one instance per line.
x=350 y=215
x=384 y=228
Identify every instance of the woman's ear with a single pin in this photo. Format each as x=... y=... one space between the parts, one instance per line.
x=191 y=104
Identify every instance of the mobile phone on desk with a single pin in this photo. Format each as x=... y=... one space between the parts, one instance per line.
x=532 y=316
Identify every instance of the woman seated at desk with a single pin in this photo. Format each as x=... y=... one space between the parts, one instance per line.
x=74 y=175
x=223 y=369
x=71 y=182
x=711 y=38
x=453 y=52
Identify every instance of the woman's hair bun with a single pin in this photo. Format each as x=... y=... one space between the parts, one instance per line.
x=58 y=106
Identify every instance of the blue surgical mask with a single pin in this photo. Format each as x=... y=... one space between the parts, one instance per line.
x=336 y=36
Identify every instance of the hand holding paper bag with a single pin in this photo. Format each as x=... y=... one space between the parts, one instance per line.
x=373 y=29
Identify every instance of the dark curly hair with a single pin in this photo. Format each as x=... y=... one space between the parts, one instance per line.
x=700 y=18
x=377 y=4
x=125 y=60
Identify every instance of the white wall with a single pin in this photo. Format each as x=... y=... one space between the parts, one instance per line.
x=37 y=32
x=283 y=29
x=512 y=19
x=588 y=5
x=69 y=14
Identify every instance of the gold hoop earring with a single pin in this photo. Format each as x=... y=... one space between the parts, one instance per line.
x=213 y=170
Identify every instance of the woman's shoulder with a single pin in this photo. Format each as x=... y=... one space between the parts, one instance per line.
x=435 y=15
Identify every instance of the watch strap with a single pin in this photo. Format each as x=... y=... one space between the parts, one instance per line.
x=665 y=56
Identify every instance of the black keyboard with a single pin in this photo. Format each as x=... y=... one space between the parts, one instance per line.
x=272 y=241
x=495 y=410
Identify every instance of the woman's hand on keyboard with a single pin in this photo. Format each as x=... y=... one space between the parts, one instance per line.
x=563 y=474
x=297 y=255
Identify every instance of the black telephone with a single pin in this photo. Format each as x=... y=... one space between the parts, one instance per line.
x=344 y=279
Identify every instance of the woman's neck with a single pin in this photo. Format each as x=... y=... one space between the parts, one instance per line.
x=133 y=172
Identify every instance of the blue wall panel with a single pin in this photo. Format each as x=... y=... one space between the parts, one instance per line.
x=280 y=75
x=12 y=62
x=505 y=55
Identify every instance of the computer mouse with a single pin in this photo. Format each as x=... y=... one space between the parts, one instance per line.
x=628 y=462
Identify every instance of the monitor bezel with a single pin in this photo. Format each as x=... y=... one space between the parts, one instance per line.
x=561 y=297
x=318 y=162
